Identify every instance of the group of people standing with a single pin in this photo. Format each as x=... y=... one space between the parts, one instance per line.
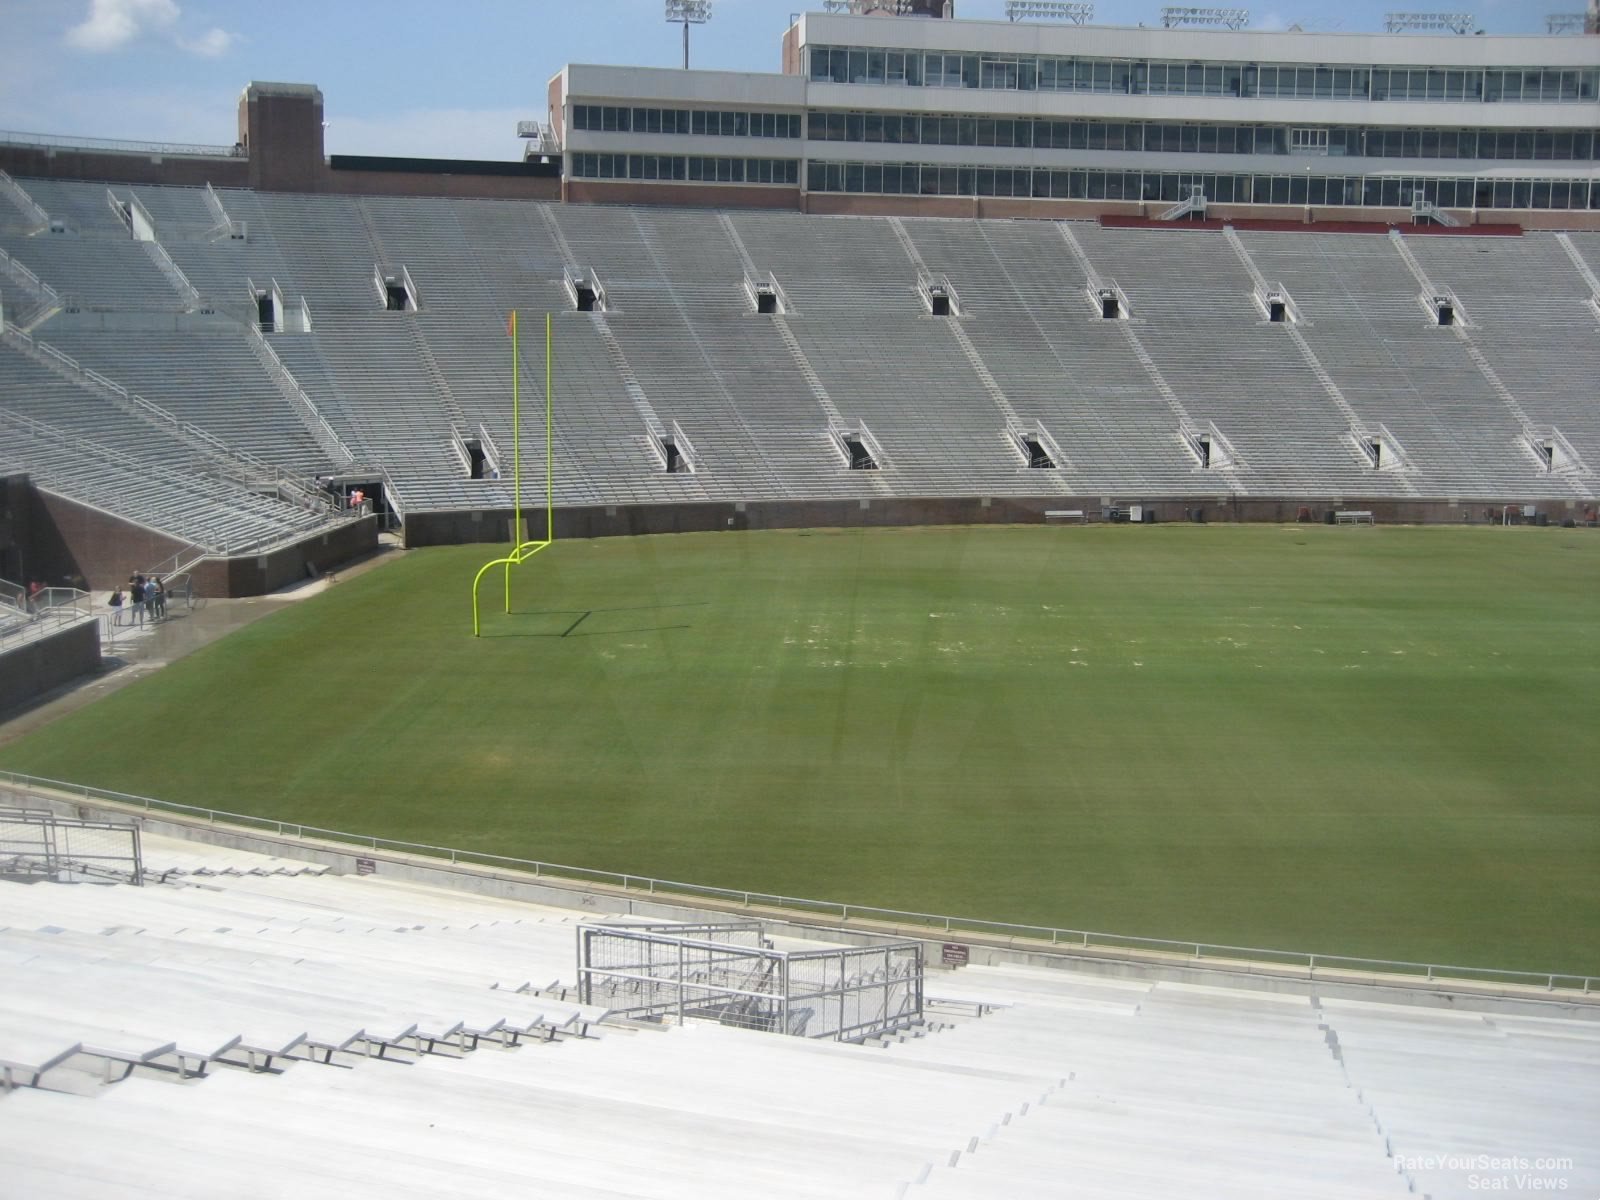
x=145 y=600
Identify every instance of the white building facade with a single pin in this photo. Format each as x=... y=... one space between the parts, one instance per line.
x=881 y=114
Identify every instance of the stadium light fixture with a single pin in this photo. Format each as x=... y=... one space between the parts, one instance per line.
x=1429 y=22
x=1573 y=22
x=1228 y=18
x=1049 y=10
x=862 y=8
x=690 y=12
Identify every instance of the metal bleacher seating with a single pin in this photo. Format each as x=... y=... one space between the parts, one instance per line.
x=1259 y=392
x=1530 y=312
x=1364 y=319
x=602 y=453
x=97 y=272
x=201 y=510
x=702 y=356
x=1027 y=312
x=404 y=1040
x=883 y=359
x=207 y=376
x=761 y=399
x=72 y=441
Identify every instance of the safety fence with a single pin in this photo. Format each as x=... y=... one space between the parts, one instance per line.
x=36 y=842
x=903 y=922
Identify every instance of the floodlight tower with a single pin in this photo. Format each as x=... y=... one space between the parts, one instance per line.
x=1049 y=10
x=1429 y=22
x=866 y=8
x=690 y=12
x=1174 y=16
x=1571 y=22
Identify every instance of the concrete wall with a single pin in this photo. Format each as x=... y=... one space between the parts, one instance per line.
x=42 y=162
x=453 y=528
x=71 y=540
x=30 y=669
x=258 y=574
x=692 y=195
x=432 y=183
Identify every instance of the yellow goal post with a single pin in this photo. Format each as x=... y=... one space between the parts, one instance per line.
x=521 y=550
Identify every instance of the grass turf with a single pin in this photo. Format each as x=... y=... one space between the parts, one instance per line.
x=1367 y=742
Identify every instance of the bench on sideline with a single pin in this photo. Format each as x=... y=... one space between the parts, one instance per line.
x=1065 y=514
x=1354 y=516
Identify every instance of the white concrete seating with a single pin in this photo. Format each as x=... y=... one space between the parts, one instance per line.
x=1068 y=1079
x=175 y=858
x=1213 y=1089
x=240 y=968
x=302 y=917
x=1506 y=1087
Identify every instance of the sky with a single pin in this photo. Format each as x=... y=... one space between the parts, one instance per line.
x=442 y=80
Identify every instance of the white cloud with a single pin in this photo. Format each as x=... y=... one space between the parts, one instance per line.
x=112 y=24
x=213 y=43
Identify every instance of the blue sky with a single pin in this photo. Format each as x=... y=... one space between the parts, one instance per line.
x=438 y=79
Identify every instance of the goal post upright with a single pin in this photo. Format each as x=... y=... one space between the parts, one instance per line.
x=522 y=550
x=516 y=455
x=549 y=444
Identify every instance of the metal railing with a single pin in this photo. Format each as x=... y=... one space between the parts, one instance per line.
x=29 y=280
x=15 y=137
x=38 y=842
x=172 y=271
x=189 y=528
x=234 y=463
x=18 y=195
x=29 y=617
x=47 y=354
x=310 y=415
x=929 y=924
x=733 y=975
x=225 y=225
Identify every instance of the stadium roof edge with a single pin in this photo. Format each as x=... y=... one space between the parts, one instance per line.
x=267 y=88
x=878 y=21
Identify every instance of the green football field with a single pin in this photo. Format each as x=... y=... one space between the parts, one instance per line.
x=1371 y=742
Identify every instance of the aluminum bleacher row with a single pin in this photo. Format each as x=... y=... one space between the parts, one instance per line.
x=350 y=1034
x=678 y=346
x=208 y=513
